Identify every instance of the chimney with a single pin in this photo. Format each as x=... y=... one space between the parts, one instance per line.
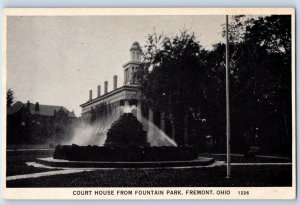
x=28 y=105
x=37 y=107
x=91 y=94
x=105 y=86
x=99 y=90
x=115 y=81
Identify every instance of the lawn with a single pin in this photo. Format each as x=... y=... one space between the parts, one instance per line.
x=258 y=176
x=16 y=161
x=242 y=175
x=239 y=158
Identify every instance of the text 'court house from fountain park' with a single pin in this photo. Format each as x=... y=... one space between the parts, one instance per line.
x=127 y=96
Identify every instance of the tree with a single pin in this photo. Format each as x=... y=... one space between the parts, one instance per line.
x=171 y=79
x=271 y=37
x=9 y=97
x=260 y=63
x=181 y=79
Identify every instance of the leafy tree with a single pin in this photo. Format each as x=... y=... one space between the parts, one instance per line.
x=181 y=79
x=261 y=83
x=171 y=79
x=9 y=97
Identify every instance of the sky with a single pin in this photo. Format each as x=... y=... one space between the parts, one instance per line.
x=56 y=60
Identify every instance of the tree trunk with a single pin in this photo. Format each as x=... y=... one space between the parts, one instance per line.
x=186 y=129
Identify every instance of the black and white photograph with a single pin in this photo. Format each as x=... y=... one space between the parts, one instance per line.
x=149 y=103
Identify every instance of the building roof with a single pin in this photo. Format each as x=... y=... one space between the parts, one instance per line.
x=72 y=114
x=44 y=110
x=131 y=62
x=136 y=46
x=14 y=108
x=113 y=92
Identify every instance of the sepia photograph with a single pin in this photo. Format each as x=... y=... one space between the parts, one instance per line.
x=149 y=103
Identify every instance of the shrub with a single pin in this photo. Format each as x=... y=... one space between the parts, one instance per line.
x=127 y=131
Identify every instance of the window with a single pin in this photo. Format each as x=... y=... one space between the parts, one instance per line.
x=128 y=77
x=125 y=76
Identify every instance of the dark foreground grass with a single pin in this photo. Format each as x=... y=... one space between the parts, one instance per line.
x=248 y=176
x=242 y=159
x=16 y=161
x=259 y=176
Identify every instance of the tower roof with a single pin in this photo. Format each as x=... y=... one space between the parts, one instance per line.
x=135 y=46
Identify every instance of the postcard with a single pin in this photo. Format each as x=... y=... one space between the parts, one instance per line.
x=149 y=103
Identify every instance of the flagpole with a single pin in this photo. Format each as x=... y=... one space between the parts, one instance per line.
x=227 y=103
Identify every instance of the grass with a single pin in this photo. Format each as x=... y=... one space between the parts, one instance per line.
x=16 y=161
x=258 y=176
x=242 y=159
x=249 y=176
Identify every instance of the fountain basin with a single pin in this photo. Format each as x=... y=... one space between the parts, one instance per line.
x=124 y=154
x=59 y=163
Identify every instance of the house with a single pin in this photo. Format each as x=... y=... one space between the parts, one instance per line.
x=29 y=123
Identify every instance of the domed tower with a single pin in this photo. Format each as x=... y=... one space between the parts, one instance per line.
x=131 y=67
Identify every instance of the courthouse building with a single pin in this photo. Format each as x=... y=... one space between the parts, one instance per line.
x=107 y=104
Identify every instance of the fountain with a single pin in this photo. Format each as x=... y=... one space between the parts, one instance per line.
x=126 y=141
x=115 y=135
x=127 y=144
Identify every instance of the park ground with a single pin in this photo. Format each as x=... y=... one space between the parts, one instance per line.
x=259 y=171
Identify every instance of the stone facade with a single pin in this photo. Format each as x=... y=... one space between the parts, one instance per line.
x=103 y=106
x=126 y=95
